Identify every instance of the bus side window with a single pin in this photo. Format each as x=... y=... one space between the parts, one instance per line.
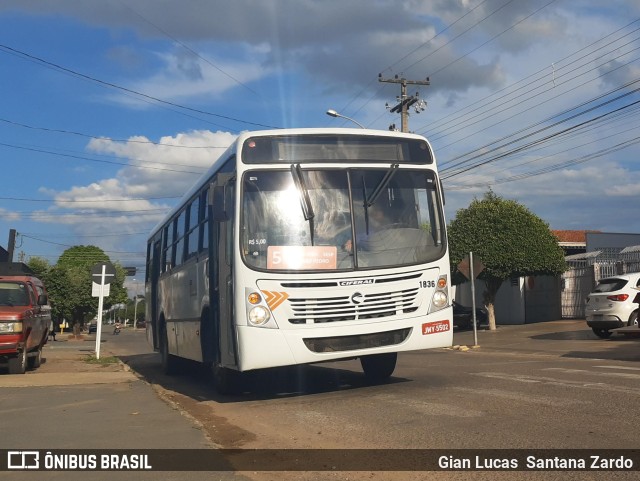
x=192 y=235
x=167 y=243
x=178 y=247
x=203 y=244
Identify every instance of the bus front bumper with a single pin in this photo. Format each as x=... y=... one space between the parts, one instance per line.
x=263 y=348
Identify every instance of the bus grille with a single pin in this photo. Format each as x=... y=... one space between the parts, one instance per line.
x=362 y=341
x=337 y=309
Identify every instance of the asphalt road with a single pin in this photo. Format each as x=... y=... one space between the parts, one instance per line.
x=549 y=385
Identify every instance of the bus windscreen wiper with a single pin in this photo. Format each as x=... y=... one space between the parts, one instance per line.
x=303 y=193
x=369 y=201
x=381 y=185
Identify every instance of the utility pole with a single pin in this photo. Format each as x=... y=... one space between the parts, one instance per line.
x=404 y=101
x=11 y=245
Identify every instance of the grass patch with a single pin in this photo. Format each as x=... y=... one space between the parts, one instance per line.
x=103 y=360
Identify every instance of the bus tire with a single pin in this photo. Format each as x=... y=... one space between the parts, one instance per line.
x=169 y=361
x=378 y=367
x=227 y=381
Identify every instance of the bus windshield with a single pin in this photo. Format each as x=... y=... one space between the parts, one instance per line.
x=362 y=219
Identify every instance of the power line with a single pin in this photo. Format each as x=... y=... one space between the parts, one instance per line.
x=189 y=49
x=457 y=115
x=79 y=157
x=480 y=46
x=522 y=98
x=88 y=236
x=491 y=39
x=95 y=137
x=67 y=245
x=581 y=131
x=483 y=149
x=34 y=58
x=565 y=164
x=538 y=141
x=129 y=199
x=390 y=67
x=460 y=34
x=93 y=215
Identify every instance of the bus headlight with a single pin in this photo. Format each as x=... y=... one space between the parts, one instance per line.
x=440 y=299
x=258 y=315
x=10 y=327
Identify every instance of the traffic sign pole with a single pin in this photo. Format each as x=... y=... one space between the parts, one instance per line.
x=104 y=272
x=473 y=299
x=100 y=304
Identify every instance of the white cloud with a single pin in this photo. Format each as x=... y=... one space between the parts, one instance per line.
x=127 y=200
x=305 y=56
x=8 y=215
x=187 y=76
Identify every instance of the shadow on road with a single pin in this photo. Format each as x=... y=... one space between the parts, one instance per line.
x=579 y=335
x=196 y=381
x=616 y=348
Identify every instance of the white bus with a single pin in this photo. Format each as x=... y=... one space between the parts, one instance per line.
x=302 y=246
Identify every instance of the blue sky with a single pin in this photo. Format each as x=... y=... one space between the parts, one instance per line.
x=534 y=99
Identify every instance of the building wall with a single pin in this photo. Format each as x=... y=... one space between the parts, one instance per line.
x=510 y=302
x=543 y=299
x=610 y=244
x=520 y=300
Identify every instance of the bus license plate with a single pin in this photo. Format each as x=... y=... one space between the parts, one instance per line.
x=435 y=327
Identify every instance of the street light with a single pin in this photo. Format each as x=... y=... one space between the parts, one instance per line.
x=333 y=113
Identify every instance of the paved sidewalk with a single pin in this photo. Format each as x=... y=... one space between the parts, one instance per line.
x=69 y=361
x=565 y=337
x=71 y=403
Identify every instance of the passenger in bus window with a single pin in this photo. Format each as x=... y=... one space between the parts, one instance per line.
x=378 y=220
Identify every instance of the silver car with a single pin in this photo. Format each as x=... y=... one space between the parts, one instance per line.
x=611 y=304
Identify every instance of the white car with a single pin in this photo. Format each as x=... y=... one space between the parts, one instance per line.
x=611 y=304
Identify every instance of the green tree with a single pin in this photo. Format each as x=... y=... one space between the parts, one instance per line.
x=510 y=241
x=138 y=312
x=40 y=267
x=69 y=284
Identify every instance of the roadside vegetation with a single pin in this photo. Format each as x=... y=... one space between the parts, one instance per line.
x=69 y=282
x=510 y=241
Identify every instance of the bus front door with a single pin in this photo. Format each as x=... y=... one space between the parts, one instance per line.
x=221 y=271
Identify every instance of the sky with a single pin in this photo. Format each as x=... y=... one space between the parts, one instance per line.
x=110 y=110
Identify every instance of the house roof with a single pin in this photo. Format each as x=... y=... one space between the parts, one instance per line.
x=572 y=236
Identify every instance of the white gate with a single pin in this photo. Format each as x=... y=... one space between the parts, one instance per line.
x=585 y=271
x=577 y=283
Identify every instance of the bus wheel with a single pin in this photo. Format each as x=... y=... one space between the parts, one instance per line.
x=379 y=367
x=169 y=361
x=227 y=381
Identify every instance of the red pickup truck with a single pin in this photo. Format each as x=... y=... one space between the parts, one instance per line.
x=25 y=317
